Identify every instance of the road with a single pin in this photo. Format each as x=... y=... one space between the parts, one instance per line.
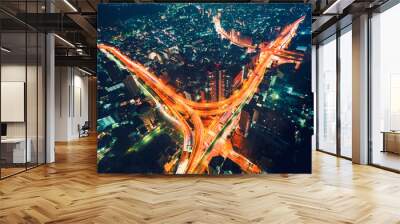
x=202 y=143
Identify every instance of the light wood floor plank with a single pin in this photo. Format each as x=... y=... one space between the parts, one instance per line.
x=70 y=191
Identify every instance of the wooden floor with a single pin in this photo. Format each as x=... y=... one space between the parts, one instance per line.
x=387 y=159
x=70 y=191
x=5 y=172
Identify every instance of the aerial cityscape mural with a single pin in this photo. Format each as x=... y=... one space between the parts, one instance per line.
x=204 y=88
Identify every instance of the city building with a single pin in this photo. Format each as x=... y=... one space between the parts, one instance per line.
x=221 y=85
x=54 y=117
x=245 y=122
x=212 y=87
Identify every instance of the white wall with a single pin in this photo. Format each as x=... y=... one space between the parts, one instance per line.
x=81 y=104
x=314 y=90
x=71 y=102
x=61 y=103
x=14 y=73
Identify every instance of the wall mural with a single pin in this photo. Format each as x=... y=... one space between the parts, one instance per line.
x=204 y=88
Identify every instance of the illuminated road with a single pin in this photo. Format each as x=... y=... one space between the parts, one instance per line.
x=233 y=36
x=202 y=143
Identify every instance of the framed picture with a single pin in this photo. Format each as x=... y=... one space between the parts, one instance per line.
x=204 y=88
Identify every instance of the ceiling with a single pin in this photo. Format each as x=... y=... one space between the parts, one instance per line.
x=75 y=22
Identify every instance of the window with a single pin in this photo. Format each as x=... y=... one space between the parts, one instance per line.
x=385 y=89
x=327 y=95
x=22 y=75
x=346 y=72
